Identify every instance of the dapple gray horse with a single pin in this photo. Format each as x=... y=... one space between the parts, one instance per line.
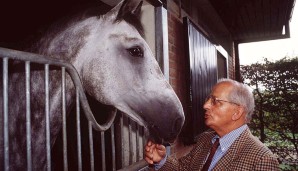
x=116 y=68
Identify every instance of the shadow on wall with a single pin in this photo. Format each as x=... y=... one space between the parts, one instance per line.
x=23 y=23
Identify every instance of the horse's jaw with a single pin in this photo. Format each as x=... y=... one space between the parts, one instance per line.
x=150 y=129
x=133 y=115
x=162 y=115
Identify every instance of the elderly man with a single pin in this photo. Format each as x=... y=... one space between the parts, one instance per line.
x=229 y=145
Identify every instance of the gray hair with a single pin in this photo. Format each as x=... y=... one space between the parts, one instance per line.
x=241 y=94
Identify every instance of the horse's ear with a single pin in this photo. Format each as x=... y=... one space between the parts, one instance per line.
x=130 y=7
x=114 y=11
x=137 y=11
x=128 y=10
x=124 y=8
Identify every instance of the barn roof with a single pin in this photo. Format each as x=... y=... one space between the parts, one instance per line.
x=251 y=20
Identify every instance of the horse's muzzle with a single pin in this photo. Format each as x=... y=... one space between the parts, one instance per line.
x=161 y=136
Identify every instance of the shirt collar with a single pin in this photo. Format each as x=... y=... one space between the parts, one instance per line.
x=227 y=140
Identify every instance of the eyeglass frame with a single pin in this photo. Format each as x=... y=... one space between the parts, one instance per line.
x=215 y=100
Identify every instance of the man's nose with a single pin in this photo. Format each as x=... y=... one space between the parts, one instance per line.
x=207 y=104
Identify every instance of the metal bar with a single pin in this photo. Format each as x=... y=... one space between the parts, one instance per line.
x=143 y=139
x=135 y=166
x=28 y=114
x=64 y=134
x=130 y=142
x=5 y=114
x=103 y=154
x=113 y=148
x=161 y=41
x=79 y=146
x=91 y=146
x=122 y=144
x=137 y=142
x=47 y=111
x=26 y=56
x=79 y=93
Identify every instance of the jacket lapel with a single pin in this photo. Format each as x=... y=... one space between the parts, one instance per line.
x=204 y=148
x=204 y=152
x=233 y=152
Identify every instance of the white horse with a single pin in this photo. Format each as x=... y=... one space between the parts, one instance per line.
x=116 y=68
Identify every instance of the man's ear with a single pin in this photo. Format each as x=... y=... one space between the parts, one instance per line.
x=239 y=112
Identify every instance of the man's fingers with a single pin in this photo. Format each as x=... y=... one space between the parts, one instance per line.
x=147 y=148
x=149 y=157
x=148 y=160
x=153 y=152
x=160 y=147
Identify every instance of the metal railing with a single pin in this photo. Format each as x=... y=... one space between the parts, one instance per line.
x=129 y=158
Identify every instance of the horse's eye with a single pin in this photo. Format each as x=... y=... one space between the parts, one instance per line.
x=136 y=51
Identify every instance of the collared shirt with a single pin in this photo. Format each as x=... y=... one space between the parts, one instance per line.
x=225 y=143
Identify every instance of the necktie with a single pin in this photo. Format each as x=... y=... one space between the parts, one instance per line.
x=212 y=151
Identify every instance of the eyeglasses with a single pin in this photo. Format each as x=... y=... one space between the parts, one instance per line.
x=215 y=100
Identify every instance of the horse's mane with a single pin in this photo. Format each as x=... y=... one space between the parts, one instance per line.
x=72 y=17
x=131 y=14
x=75 y=16
x=134 y=21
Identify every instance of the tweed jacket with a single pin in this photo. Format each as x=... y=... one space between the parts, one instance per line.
x=246 y=153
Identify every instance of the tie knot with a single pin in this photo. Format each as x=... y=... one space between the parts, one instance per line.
x=215 y=145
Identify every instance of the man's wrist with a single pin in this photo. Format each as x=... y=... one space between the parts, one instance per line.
x=157 y=166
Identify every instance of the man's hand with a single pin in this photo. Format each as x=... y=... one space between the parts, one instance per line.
x=154 y=153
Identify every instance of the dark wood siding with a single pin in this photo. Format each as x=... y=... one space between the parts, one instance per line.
x=203 y=75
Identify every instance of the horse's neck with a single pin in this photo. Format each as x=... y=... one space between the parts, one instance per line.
x=56 y=105
x=67 y=43
x=56 y=95
x=17 y=114
x=38 y=98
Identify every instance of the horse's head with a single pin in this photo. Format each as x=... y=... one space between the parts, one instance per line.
x=117 y=68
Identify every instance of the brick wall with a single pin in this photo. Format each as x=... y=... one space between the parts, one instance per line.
x=231 y=61
x=178 y=63
x=179 y=74
x=178 y=60
x=231 y=68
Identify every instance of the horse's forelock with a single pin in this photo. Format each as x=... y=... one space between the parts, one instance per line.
x=129 y=11
x=134 y=21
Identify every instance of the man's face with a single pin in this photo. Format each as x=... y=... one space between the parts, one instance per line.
x=219 y=110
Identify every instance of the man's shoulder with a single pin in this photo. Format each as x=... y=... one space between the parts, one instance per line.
x=254 y=144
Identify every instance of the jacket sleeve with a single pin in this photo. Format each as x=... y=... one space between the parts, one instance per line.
x=267 y=163
x=194 y=159
x=185 y=163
